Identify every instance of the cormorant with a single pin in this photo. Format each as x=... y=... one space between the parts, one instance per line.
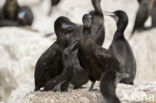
x=154 y=14
x=121 y=48
x=145 y=8
x=97 y=28
x=25 y=16
x=10 y=10
x=53 y=4
x=108 y=84
x=98 y=35
x=50 y=64
x=93 y=58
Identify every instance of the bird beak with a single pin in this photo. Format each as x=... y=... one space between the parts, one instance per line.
x=120 y=77
x=111 y=14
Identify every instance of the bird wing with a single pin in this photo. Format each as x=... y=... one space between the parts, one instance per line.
x=48 y=56
x=105 y=58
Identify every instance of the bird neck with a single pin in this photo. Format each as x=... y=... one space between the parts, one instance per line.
x=121 y=26
x=61 y=38
x=120 y=30
x=87 y=31
x=97 y=6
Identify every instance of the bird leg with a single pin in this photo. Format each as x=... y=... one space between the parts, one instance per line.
x=92 y=86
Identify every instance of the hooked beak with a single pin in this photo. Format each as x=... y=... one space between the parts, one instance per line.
x=111 y=14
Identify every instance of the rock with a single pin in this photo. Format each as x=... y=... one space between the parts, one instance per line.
x=7 y=84
x=141 y=93
x=144 y=49
x=19 y=51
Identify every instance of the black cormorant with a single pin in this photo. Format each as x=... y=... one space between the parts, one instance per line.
x=25 y=16
x=14 y=15
x=145 y=8
x=50 y=63
x=121 y=48
x=10 y=9
x=93 y=58
x=97 y=28
x=154 y=14
x=53 y=4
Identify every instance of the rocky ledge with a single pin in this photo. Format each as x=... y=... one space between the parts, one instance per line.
x=142 y=93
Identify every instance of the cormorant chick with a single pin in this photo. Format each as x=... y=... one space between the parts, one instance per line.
x=80 y=75
x=121 y=48
x=108 y=84
x=53 y=4
x=97 y=27
x=93 y=58
x=62 y=81
x=145 y=8
x=10 y=10
x=50 y=64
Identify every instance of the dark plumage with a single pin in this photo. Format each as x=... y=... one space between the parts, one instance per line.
x=10 y=10
x=121 y=48
x=53 y=4
x=73 y=73
x=50 y=64
x=108 y=84
x=154 y=14
x=61 y=82
x=1 y=14
x=98 y=35
x=8 y=23
x=97 y=28
x=25 y=16
x=93 y=58
x=5 y=22
x=14 y=15
x=145 y=8
x=80 y=75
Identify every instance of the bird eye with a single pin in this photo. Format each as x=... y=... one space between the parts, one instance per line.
x=66 y=26
x=22 y=13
